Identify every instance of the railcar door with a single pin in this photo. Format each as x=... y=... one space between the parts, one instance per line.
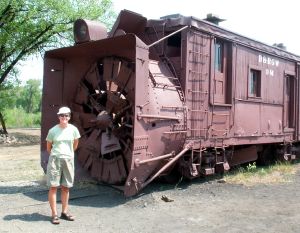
x=289 y=101
x=220 y=68
x=221 y=87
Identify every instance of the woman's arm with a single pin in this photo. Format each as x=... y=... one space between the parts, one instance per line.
x=49 y=147
x=75 y=144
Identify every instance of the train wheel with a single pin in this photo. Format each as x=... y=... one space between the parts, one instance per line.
x=267 y=156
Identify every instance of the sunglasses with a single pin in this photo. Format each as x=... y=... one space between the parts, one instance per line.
x=64 y=115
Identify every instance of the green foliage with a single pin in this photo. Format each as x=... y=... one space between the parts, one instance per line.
x=5 y=97
x=251 y=167
x=29 y=97
x=251 y=174
x=24 y=102
x=31 y=26
x=20 y=105
x=18 y=118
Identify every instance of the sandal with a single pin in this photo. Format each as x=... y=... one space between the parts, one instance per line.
x=67 y=217
x=55 y=220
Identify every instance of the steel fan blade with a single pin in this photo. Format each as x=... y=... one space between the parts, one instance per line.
x=111 y=68
x=114 y=102
x=92 y=77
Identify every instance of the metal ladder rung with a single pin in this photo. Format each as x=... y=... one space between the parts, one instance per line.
x=196 y=100
x=174 y=132
x=167 y=85
x=165 y=77
x=203 y=77
x=197 y=62
x=196 y=52
x=157 y=74
x=193 y=71
x=220 y=130
x=198 y=129
x=198 y=110
x=197 y=43
x=197 y=80
x=221 y=114
x=199 y=120
x=201 y=92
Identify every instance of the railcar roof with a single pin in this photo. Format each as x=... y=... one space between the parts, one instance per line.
x=213 y=29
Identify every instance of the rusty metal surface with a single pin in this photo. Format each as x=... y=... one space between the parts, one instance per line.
x=150 y=99
x=88 y=30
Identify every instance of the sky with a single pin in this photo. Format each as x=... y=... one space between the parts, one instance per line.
x=268 y=21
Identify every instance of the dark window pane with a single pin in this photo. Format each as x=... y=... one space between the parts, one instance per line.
x=254 y=83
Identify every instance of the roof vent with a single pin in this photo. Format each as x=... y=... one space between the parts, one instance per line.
x=280 y=45
x=213 y=19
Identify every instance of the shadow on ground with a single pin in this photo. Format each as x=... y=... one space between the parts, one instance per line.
x=35 y=217
x=97 y=195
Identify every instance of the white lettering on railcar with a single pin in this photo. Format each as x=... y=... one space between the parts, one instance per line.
x=270 y=72
x=268 y=60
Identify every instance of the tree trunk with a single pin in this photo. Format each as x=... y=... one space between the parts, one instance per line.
x=3 y=123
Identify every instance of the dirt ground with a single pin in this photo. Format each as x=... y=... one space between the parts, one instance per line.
x=197 y=206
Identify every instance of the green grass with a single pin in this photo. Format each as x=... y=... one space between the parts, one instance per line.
x=281 y=172
x=18 y=118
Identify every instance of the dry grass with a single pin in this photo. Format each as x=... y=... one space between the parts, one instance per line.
x=252 y=175
x=20 y=170
x=21 y=161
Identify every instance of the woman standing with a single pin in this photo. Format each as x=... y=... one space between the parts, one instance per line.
x=62 y=141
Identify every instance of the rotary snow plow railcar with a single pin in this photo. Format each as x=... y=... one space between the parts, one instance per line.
x=128 y=123
x=155 y=96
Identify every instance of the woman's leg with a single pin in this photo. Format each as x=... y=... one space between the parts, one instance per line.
x=52 y=200
x=64 y=199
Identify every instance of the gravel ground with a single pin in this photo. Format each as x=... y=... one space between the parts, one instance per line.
x=197 y=206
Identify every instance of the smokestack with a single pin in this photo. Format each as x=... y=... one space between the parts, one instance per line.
x=213 y=19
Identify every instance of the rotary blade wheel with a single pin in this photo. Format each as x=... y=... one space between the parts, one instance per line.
x=103 y=112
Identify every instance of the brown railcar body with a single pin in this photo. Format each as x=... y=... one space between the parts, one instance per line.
x=175 y=94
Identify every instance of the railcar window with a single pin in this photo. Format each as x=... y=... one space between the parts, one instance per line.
x=254 y=83
x=219 y=56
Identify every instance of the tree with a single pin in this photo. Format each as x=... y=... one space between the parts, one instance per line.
x=31 y=26
x=30 y=96
x=7 y=97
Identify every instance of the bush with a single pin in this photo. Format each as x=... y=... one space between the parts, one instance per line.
x=18 y=118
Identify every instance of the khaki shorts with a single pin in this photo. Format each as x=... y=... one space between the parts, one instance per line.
x=60 y=171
